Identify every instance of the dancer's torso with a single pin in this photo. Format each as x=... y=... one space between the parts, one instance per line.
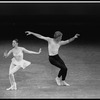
x=53 y=47
x=18 y=54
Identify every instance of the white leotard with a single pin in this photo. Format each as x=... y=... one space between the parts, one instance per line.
x=18 y=58
x=18 y=54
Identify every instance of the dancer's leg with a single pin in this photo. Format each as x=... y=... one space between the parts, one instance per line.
x=64 y=73
x=13 y=69
x=54 y=61
x=58 y=62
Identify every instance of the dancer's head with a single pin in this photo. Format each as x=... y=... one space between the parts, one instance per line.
x=15 y=42
x=58 y=36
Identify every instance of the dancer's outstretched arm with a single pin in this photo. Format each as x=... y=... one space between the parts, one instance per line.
x=7 y=54
x=31 y=52
x=69 y=40
x=38 y=35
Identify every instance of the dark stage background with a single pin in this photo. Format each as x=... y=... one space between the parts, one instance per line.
x=46 y=18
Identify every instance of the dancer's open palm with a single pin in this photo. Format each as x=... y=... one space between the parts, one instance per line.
x=28 y=33
x=5 y=54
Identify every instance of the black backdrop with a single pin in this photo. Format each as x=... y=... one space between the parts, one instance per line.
x=46 y=18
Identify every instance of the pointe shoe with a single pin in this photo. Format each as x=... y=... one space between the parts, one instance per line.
x=13 y=87
x=64 y=83
x=10 y=88
x=58 y=81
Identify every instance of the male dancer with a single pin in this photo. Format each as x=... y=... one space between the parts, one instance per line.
x=53 y=49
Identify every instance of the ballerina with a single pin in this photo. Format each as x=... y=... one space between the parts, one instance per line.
x=17 y=61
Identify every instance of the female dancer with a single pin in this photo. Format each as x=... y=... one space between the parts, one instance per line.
x=17 y=61
x=54 y=58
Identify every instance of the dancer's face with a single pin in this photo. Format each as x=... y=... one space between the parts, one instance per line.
x=58 y=39
x=57 y=36
x=14 y=43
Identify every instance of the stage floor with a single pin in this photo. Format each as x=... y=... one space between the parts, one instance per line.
x=38 y=79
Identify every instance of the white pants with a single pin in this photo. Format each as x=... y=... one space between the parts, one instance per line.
x=15 y=65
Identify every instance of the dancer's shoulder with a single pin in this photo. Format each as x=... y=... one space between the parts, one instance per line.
x=21 y=48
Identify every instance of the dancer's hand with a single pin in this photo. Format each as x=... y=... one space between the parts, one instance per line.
x=76 y=35
x=28 y=32
x=5 y=54
x=39 y=50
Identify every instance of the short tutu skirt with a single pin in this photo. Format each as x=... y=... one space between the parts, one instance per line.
x=22 y=63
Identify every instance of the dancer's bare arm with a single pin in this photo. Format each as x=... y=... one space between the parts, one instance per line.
x=31 y=52
x=38 y=35
x=69 y=40
x=7 y=54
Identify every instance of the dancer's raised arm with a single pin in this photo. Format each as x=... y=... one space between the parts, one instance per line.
x=7 y=54
x=38 y=35
x=69 y=40
x=31 y=52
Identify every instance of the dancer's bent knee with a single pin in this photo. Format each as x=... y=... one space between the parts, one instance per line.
x=13 y=70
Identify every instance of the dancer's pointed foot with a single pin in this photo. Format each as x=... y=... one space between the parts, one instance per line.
x=13 y=87
x=10 y=88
